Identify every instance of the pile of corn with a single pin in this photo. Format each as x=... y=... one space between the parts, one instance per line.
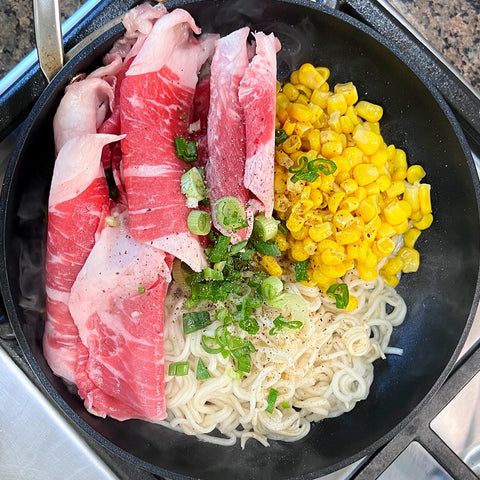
x=351 y=218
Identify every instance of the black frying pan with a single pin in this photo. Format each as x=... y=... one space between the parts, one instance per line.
x=441 y=297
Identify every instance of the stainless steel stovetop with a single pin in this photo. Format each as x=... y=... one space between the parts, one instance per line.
x=442 y=442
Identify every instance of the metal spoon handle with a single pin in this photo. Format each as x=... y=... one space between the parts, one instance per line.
x=48 y=36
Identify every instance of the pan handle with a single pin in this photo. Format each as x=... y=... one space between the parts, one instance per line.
x=48 y=36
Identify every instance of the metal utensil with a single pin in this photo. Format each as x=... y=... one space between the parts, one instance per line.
x=48 y=36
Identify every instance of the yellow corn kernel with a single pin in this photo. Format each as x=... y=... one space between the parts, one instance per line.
x=352 y=304
x=415 y=173
x=386 y=230
x=416 y=216
x=331 y=149
x=332 y=257
x=371 y=260
x=348 y=90
x=368 y=209
x=367 y=141
x=314 y=139
x=360 y=194
x=384 y=181
x=342 y=218
x=337 y=102
x=301 y=207
x=334 y=121
x=271 y=266
x=309 y=246
x=309 y=76
x=334 y=201
x=350 y=204
x=300 y=112
x=321 y=280
x=411 y=259
x=278 y=86
x=380 y=157
x=372 y=189
x=399 y=174
x=316 y=196
x=282 y=116
x=399 y=160
x=340 y=176
x=328 y=244
x=424 y=222
x=384 y=246
x=391 y=280
x=291 y=92
x=424 y=198
x=349 y=185
x=353 y=155
x=301 y=234
x=369 y=111
x=281 y=240
x=406 y=206
x=313 y=218
x=279 y=183
x=282 y=100
x=289 y=127
x=278 y=124
x=324 y=72
x=394 y=213
x=320 y=232
x=295 y=223
x=349 y=263
x=327 y=183
x=393 y=266
x=333 y=271
x=282 y=158
x=294 y=77
x=346 y=124
x=348 y=236
x=297 y=252
x=391 y=152
x=411 y=236
x=412 y=197
x=320 y=98
x=365 y=173
x=302 y=129
x=371 y=229
x=292 y=144
x=366 y=273
x=281 y=203
x=304 y=89
x=395 y=189
x=402 y=227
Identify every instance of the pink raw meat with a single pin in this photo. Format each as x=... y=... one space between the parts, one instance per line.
x=257 y=95
x=156 y=105
x=82 y=109
x=117 y=303
x=78 y=204
x=225 y=168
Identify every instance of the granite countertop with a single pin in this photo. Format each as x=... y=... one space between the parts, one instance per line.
x=452 y=28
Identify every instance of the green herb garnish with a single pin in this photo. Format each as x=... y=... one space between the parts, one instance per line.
x=301 y=274
x=186 y=150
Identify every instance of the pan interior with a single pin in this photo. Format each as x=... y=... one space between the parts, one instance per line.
x=439 y=296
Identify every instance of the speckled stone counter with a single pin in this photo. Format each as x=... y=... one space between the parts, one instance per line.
x=453 y=28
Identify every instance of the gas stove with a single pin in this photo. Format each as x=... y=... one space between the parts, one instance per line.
x=441 y=442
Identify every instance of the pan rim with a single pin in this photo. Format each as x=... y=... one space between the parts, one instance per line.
x=5 y=284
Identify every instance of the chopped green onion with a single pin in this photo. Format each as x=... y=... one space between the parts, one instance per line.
x=238 y=247
x=235 y=375
x=339 y=291
x=294 y=304
x=271 y=288
x=280 y=136
x=199 y=222
x=178 y=369
x=308 y=170
x=272 y=398
x=212 y=274
x=281 y=322
x=220 y=249
x=301 y=274
x=210 y=345
x=285 y=405
x=230 y=213
x=141 y=289
x=266 y=248
x=282 y=228
x=250 y=325
x=186 y=150
x=202 y=372
x=193 y=186
x=193 y=321
x=244 y=363
x=264 y=228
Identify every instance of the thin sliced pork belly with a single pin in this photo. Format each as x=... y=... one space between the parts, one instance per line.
x=225 y=168
x=156 y=105
x=117 y=303
x=257 y=95
x=82 y=109
x=78 y=204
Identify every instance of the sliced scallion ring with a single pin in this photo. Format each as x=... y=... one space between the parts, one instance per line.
x=264 y=228
x=199 y=222
x=230 y=213
x=193 y=187
x=178 y=369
